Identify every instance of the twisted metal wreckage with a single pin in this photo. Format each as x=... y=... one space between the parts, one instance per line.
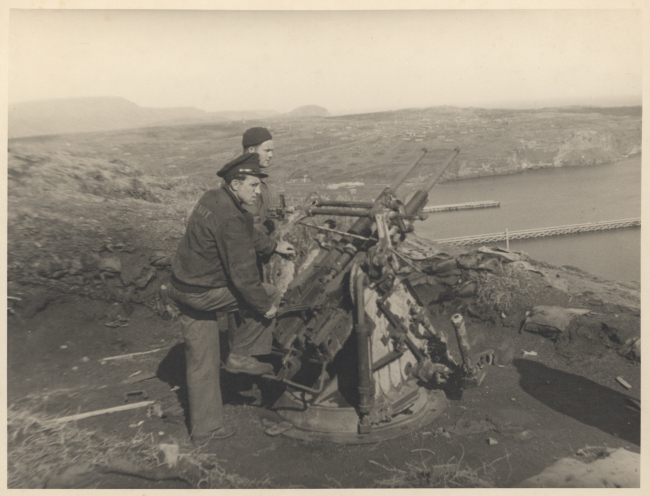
x=359 y=355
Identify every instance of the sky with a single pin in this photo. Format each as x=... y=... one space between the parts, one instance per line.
x=345 y=61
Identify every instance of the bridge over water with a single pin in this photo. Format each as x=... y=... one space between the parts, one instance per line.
x=542 y=232
x=461 y=206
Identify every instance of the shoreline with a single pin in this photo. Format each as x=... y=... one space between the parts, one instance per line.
x=481 y=174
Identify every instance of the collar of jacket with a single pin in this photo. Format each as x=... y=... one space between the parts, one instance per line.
x=235 y=200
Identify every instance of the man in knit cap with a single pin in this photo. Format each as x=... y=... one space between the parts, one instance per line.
x=259 y=140
x=214 y=270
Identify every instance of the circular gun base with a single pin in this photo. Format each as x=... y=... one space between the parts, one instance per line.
x=339 y=424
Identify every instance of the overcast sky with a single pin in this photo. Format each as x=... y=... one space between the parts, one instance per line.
x=345 y=61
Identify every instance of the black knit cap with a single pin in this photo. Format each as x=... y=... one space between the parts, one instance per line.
x=255 y=136
x=248 y=163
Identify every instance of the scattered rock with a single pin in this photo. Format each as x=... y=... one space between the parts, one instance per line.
x=523 y=436
x=431 y=293
x=623 y=382
x=110 y=265
x=448 y=281
x=466 y=426
x=491 y=265
x=116 y=316
x=146 y=275
x=491 y=441
x=557 y=282
x=268 y=423
x=547 y=320
x=441 y=431
x=160 y=259
x=440 y=267
x=466 y=290
x=76 y=267
x=501 y=254
x=468 y=261
x=631 y=349
x=521 y=265
x=169 y=454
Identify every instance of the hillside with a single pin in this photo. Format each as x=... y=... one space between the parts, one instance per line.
x=74 y=115
x=308 y=111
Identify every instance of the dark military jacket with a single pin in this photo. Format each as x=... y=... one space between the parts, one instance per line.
x=219 y=250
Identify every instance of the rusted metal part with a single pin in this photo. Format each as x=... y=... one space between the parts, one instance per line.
x=341 y=211
x=401 y=333
x=343 y=203
x=335 y=231
x=386 y=359
x=419 y=200
x=472 y=375
x=302 y=387
x=366 y=384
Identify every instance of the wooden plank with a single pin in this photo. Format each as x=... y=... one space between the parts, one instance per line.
x=121 y=357
x=95 y=413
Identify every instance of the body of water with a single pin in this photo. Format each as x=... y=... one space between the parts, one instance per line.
x=547 y=198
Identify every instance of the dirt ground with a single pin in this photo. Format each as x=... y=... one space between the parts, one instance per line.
x=71 y=309
x=564 y=399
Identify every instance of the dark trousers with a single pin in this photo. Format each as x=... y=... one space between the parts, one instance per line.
x=202 y=353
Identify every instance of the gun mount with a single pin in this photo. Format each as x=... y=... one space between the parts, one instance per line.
x=359 y=355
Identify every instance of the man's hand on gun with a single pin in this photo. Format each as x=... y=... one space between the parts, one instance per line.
x=271 y=313
x=285 y=248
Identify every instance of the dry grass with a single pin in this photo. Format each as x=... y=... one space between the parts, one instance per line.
x=115 y=179
x=43 y=452
x=422 y=474
x=502 y=291
x=40 y=448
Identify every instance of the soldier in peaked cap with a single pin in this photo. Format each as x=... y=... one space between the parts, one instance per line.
x=214 y=270
x=259 y=140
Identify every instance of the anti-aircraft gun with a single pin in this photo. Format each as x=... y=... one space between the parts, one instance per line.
x=359 y=354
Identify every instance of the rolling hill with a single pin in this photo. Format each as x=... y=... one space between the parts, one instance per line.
x=74 y=115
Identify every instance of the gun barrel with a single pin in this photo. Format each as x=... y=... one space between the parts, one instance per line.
x=362 y=225
x=343 y=203
x=419 y=200
x=346 y=212
x=442 y=170
x=400 y=179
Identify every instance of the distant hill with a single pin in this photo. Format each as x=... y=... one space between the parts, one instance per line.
x=308 y=111
x=74 y=115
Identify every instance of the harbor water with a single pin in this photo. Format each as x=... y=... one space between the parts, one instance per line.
x=547 y=198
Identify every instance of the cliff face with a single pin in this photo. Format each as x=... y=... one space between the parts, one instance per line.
x=515 y=150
